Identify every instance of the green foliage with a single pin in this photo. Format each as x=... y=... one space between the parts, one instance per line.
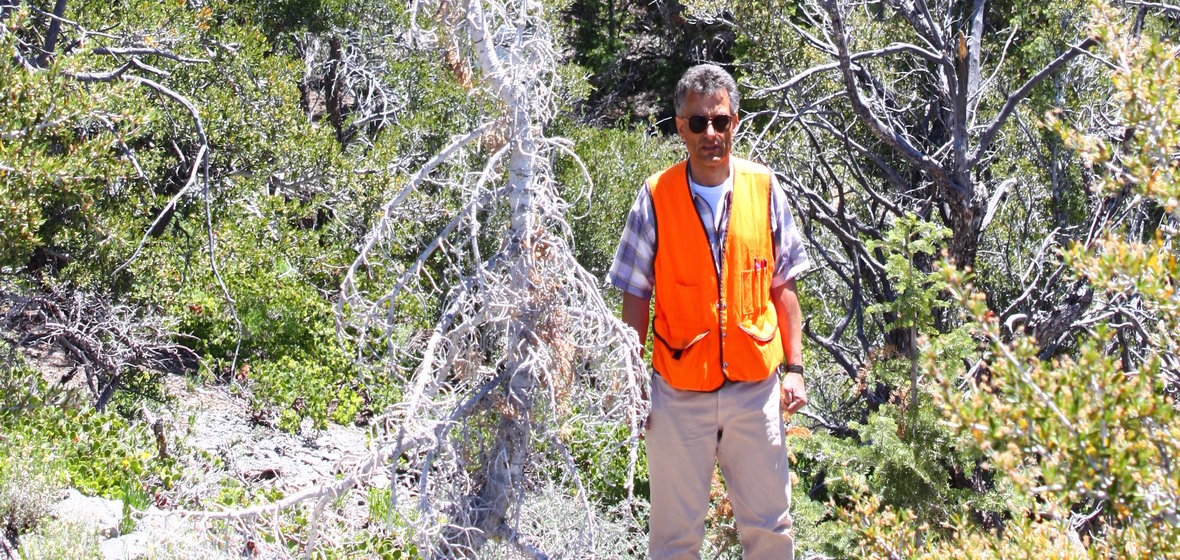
x=632 y=55
x=60 y=541
x=234 y=493
x=372 y=545
x=136 y=498
x=101 y=452
x=281 y=245
x=600 y=453
x=618 y=161
x=378 y=501
x=30 y=477
x=61 y=146
x=598 y=28
x=908 y=243
x=1090 y=435
x=903 y=451
x=301 y=388
x=284 y=17
x=912 y=462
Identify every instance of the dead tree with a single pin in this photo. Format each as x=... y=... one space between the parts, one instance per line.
x=524 y=350
x=105 y=340
x=524 y=339
x=943 y=55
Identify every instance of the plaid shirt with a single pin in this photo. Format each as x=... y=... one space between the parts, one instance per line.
x=633 y=269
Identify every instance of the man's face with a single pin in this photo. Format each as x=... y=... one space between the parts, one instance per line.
x=708 y=149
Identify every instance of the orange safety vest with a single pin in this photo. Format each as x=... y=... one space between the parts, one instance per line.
x=712 y=327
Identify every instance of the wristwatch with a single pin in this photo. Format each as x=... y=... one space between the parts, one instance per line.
x=784 y=369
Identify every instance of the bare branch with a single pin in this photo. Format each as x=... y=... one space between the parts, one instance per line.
x=1014 y=99
x=875 y=53
x=1168 y=8
x=147 y=51
x=879 y=129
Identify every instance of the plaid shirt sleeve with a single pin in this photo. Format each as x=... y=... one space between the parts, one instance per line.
x=633 y=270
x=790 y=254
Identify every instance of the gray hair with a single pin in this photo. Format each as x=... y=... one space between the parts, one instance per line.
x=706 y=79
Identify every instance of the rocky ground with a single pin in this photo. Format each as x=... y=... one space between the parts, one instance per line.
x=204 y=422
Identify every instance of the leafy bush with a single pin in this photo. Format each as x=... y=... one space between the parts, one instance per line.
x=600 y=454
x=61 y=157
x=303 y=388
x=100 y=453
x=899 y=446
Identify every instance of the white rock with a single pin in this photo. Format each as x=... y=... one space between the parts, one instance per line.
x=156 y=532
x=101 y=515
x=132 y=546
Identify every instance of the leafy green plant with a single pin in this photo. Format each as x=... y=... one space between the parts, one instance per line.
x=900 y=447
x=906 y=246
x=909 y=244
x=600 y=453
x=135 y=499
x=234 y=493
x=61 y=154
x=371 y=545
x=378 y=502
x=100 y=452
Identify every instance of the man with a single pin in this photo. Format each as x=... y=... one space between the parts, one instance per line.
x=714 y=239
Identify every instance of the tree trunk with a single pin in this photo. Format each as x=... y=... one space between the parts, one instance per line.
x=59 y=9
x=334 y=85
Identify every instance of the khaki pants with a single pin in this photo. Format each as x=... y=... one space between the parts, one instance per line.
x=740 y=427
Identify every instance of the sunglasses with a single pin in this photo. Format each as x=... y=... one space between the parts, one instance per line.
x=698 y=123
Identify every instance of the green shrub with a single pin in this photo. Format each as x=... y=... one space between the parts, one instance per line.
x=618 y=161
x=100 y=453
x=600 y=453
x=61 y=157
x=300 y=387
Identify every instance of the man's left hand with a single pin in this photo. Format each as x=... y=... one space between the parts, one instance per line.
x=793 y=395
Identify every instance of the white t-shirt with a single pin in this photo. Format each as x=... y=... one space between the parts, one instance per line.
x=713 y=195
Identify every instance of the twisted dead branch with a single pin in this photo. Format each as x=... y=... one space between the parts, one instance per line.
x=521 y=331
x=106 y=340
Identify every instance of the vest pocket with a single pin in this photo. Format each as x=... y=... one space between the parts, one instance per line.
x=682 y=318
x=755 y=293
x=679 y=345
x=765 y=333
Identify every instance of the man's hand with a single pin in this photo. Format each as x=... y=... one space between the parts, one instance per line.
x=635 y=315
x=793 y=395
x=786 y=305
x=647 y=417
